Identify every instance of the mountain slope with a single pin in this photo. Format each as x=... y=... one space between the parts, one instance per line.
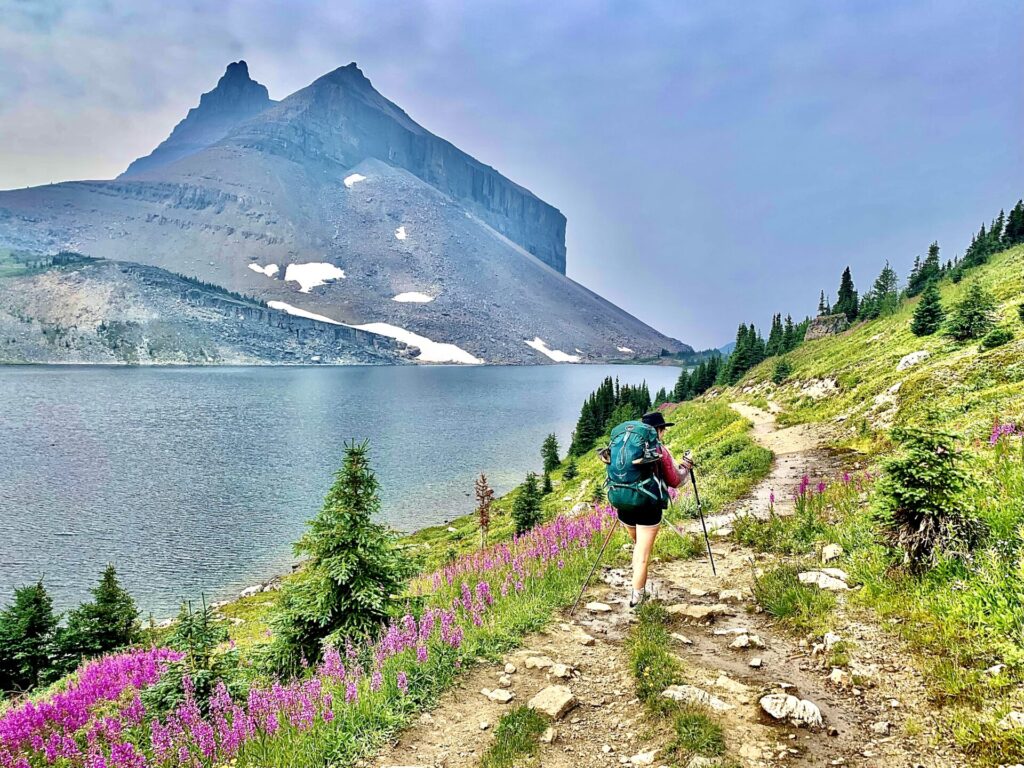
x=236 y=98
x=335 y=202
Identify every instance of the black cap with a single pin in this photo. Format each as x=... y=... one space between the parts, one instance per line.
x=656 y=420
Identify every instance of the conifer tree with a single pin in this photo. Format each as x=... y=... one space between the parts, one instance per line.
x=26 y=632
x=1014 y=232
x=109 y=622
x=547 y=487
x=526 y=507
x=973 y=316
x=846 y=300
x=928 y=314
x=571 y=470
x=925 y=272
x=774 y=345
x=354 y=570
x=789 y=335
x=884 y=297
x=549 y=453
x=823 y=308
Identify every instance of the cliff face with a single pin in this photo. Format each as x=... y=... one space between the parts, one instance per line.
x=341 y=119
x=236 y=98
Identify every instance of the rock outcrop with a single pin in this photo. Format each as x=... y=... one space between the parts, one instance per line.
x=826 y=325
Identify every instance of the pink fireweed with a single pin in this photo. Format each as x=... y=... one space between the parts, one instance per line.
x=1001 y=429
x=29 y=725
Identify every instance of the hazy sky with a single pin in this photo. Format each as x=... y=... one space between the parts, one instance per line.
x=728 y=159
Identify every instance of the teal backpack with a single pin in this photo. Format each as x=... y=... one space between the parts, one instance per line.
x=634 y=452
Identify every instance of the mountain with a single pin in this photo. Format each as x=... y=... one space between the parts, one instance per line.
x=236 y=98
x=335 y=202
x=726 y=349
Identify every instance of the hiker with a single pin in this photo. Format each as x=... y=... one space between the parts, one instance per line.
x=638 y=488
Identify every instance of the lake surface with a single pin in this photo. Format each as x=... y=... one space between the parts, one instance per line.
x=197 y=480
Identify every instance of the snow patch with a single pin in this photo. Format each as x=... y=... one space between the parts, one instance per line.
x=400 y=232
x=414 y=297
x=312 y=274
x=352 y=179
x=283 y=307
x=625 y=349
x=430 y=351
x=270 y=270
x=557 y=355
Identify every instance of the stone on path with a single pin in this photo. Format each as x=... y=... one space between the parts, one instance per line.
x=840 y=677
x=732 y=596
x=538 y=662
x=681 y=638
x=726 y=683
x=510 y=669
x=549 y=735
x=756 y=662
x=553 y=701
x=699 y=612
x=830 y=639
x=500 y=695
x=583 y=638
x=822 y=580
x=596 y=607
x=560 y=670
x=782 y=706
x=699 y=761
x=831 y=552
x=691 y=694
x=881 y=727
x=643 y=758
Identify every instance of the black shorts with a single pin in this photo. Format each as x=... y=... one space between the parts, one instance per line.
x=645 y=517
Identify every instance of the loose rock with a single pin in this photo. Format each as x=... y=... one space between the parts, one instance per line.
x=881 y=727
x=549 y=736
x=699 y=612
x=681 y=639
x=831 y=552
x=538 y=662
x=1012 y=721
x=500 y=695
x=553 y=701
x=690 y=694
x=596 y=607
x=822 y=580
x=643 y=758
x=782 y=706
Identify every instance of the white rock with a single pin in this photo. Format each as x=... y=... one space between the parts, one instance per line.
x=561 y=670
x=553 y=701
x=1012 y=721
x=583 y=638
x=756 y=662
x=690 y=694
x=836 y=573
x=699 y=612
x=579 y=509
x=731 y=631
x=782 y=706
x=881 y=727
x=596 y=607
x=840 y=677
x=822 y=580
x=643 y=758
x=909 y=361
x=250 y=591
x=484 y=725
x=731 y=596
x=549 y=735
x=831 y=552
x=741 y=641
x=510 y=669
x=830 y=639
x=681 y=638
x=755 y=641
x=505 y=681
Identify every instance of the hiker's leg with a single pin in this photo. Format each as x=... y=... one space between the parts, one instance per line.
x=645 y=536
x=631 y=532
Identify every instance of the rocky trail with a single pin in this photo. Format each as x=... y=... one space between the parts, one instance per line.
x=873 y=706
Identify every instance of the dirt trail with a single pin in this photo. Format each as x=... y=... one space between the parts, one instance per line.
x=875 y=715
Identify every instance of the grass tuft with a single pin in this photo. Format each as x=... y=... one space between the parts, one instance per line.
x=515 y=737
x=697 y=734
x=802 y=607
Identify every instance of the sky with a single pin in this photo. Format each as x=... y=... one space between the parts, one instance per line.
x=717 y=162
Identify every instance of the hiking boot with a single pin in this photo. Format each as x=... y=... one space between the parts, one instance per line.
x=637 y=598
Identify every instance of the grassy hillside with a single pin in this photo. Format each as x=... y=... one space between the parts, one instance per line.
x=964 y=616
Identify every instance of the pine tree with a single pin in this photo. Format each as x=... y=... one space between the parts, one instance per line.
x=928 y=314
x=1014 y=232
x=774 y=346
x=789 y=335
x=526 y=507
x=925 y=272
x=109 y=622
x=571 y=470
x=354 y=570
x=549 y=453
x=547 y=487
x=823 y=308
x=484 y=499
x=846 y=300
x=26 y=633
x=884 y=297
x=973 y=316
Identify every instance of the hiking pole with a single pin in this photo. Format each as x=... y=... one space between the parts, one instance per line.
x=704 y=525
x=594 y=568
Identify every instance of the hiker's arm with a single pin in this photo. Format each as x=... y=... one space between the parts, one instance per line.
x=669 y=470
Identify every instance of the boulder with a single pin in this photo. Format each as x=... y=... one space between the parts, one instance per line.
x=782 y=706
x=914 y=358
x=553 y=701
x=691 y=694
x=827 y=325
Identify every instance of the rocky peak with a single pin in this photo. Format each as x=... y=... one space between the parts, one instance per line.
x=235 y=92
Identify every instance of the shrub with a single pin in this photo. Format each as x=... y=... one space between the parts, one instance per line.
x=109 y=622
x=918 y=500
x=526 y=507
x=802 y=606
x=571 y=470
x=781 y=372
x=26 y=631
x=997 y=337
x=198 y=635
x=349 y=585
x=973 y=315
x=928 y=314
x=697 y=734
x=1020 y=312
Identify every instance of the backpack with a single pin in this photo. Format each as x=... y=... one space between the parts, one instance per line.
x=634 y=452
